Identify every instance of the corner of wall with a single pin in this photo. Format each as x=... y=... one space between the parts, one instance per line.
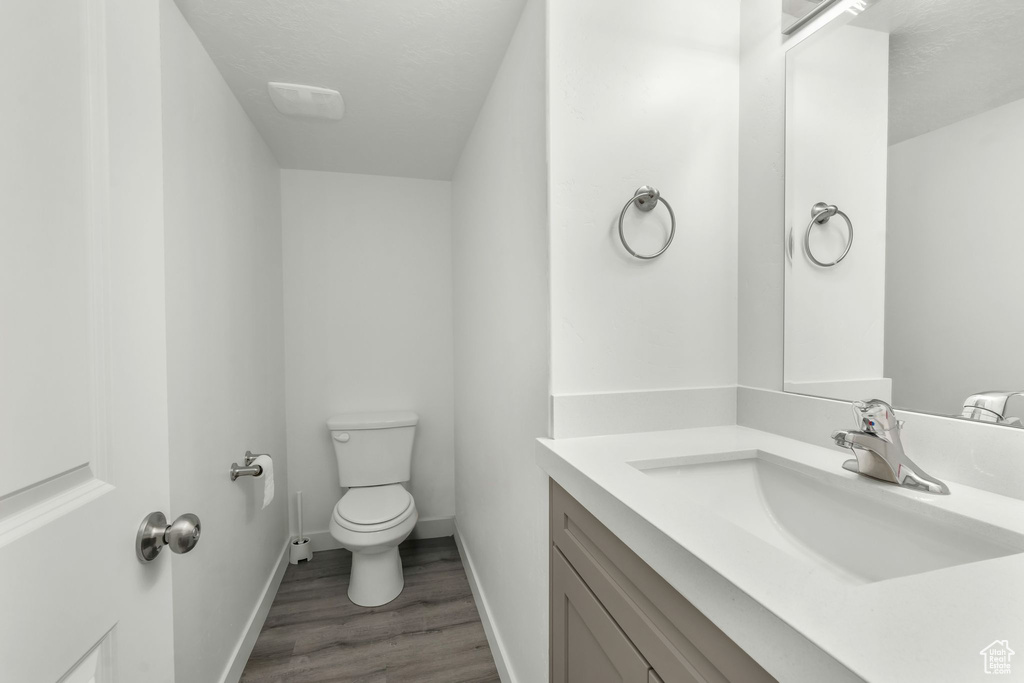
x=760 y=272
x=501 y=297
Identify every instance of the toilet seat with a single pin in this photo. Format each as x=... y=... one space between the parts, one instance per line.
x=367 y=509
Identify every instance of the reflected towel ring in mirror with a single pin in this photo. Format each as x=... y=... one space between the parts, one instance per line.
x=820 y=214
x=645 y=199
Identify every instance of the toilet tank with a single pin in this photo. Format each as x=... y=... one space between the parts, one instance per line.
x=373 y=448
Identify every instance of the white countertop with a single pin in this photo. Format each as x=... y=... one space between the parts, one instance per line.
x=798 y=623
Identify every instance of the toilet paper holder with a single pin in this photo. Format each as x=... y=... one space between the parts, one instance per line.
x=247 y=470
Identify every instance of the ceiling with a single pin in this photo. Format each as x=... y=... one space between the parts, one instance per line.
x=413 y=74
x=950 y=60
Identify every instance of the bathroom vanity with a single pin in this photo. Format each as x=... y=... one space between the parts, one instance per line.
x=732 y=554
x=613 y=618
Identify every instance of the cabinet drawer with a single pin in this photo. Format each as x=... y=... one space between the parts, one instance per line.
x=678 y=641
x=588 y=647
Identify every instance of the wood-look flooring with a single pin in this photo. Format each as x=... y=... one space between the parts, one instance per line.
x=431 y=633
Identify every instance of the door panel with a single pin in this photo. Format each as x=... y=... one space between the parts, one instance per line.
x=47 y=350
x=83 y=424
x=588 y=646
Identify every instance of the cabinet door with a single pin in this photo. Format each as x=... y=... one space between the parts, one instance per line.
x=588 y=646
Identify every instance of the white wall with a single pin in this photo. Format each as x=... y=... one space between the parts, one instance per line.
x=225 y=360
x=836 y=147
x=953 y=323
x=368 y=325
x=644 y=96
x=500 y=253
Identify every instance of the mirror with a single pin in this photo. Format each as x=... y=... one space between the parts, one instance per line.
x=908 y=119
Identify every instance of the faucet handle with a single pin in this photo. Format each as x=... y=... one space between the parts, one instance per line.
x=876 y=416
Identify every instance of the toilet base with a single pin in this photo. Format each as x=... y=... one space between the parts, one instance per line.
x=377 y=578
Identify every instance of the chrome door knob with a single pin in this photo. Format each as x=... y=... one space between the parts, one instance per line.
x=181 y=535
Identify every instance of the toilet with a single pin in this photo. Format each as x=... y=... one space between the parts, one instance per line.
x=374 y=452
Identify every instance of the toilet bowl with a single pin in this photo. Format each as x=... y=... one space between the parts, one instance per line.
x=371 y=522
x=374 y=452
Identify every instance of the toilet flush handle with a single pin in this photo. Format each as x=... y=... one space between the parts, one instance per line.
x=342 y=437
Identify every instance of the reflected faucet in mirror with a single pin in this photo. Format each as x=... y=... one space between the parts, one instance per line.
x=990 y=406
x=879 y=450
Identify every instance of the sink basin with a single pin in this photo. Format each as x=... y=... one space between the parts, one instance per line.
x=853 y=528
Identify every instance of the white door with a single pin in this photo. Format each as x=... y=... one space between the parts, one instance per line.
x=83 y=416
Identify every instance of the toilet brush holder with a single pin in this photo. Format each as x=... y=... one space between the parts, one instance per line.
x=300 y=549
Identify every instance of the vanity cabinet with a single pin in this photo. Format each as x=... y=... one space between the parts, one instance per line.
x=589 y=647
x=615 y=620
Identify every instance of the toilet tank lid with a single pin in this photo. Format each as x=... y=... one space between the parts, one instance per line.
x=384 y=419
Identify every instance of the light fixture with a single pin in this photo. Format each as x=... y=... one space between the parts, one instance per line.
x=308 y=101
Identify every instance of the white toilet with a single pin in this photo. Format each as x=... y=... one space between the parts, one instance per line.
x=376 y=513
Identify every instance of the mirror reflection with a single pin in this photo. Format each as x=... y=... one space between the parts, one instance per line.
x=908 y=120
x=797 y=13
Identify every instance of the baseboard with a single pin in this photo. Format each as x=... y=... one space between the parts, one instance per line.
x=436 y=527
x=493 y=638
x=259 y=615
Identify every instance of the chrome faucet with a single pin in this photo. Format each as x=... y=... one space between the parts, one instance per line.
x=990 y=406
x=879 y=450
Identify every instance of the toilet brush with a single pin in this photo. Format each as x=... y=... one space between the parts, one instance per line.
x=300 y=548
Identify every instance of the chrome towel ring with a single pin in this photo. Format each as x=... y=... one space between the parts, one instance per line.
x=645 y=199
x=820 y=214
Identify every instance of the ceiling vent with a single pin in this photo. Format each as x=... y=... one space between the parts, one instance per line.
x=307 y=101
